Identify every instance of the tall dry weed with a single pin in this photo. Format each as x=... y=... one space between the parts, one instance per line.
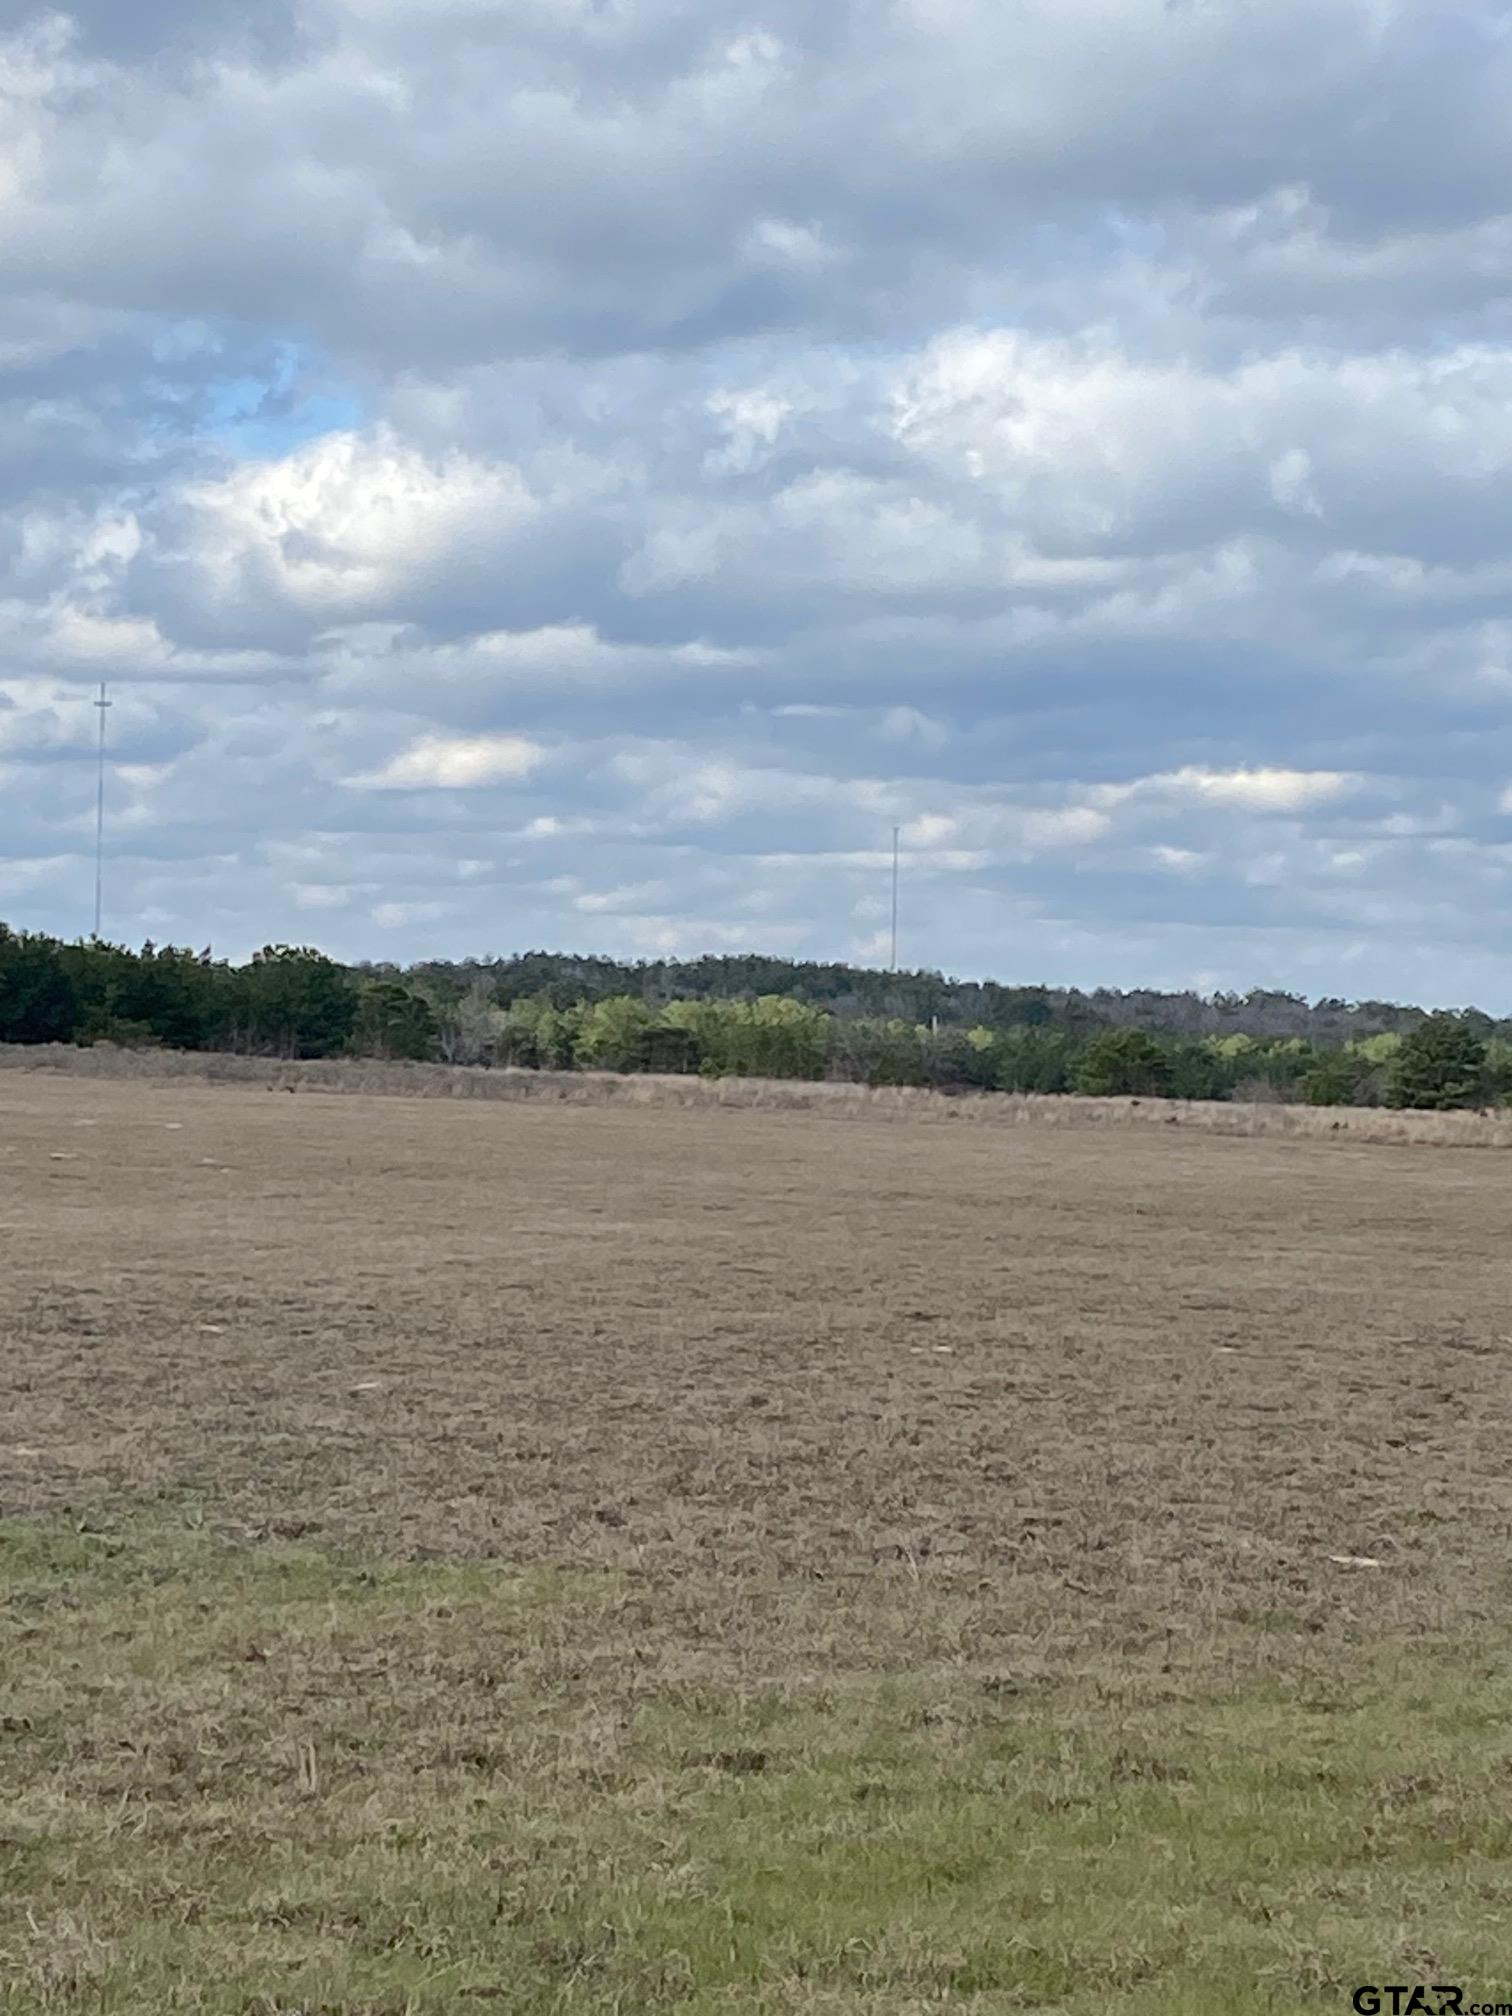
x=763 y=1095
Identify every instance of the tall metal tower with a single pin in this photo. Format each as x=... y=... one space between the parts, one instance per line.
x=104 y=704
x=897 y=830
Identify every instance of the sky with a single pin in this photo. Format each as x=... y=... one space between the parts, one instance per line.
x=579 y=473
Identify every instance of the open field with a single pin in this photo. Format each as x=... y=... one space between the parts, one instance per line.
x=605 y=1558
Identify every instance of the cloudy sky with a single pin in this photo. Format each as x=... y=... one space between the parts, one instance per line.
x=579 y=472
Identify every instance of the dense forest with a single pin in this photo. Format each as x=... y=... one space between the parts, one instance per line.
x=566 y=979
x=756 y=1017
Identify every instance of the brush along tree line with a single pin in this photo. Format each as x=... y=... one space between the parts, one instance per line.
x=755 y=1017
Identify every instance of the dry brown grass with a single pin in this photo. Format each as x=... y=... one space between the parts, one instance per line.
x=369 y=1077
x=1165 y=1376
x=619 y=1558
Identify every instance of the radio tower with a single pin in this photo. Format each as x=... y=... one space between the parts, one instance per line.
x=897 y=830
x=103 y=704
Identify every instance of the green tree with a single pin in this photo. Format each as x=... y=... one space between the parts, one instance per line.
x=672 y=1050
x=39 y=1000
x=184 y=995
x=1334 y=1079
x=1123 y=1063
x=704 y=1028
x=1034 y=1059
x=1441 y=1064
x=785 y=1038
x=614 y=1034
x=878 y=1050
x=544 y=1036
x=1273 y=1069
x=294 y=1002
x=162 y=994
x=952 y=1062
x=1378 y=1050
x=1499 y=1070
x=394 y=1021
x=1196 y=1071
x=772 y=1037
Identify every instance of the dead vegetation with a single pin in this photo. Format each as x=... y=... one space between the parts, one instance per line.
x=639 y=1558
x=370 y=1077
x=1171 y=1380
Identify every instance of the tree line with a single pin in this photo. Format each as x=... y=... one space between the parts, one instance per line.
x=567 y=979
x=750 y=1017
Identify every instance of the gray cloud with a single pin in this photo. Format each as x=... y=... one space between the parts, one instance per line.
x=579 y=473
x=399 y=183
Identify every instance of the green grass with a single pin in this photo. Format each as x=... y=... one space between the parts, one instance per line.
x=264 y=1781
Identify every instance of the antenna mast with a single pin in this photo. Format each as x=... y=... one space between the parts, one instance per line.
x=103 y=704
x=897 y=830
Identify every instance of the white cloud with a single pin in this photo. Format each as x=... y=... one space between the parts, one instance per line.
x=1263 y=790
x=398 y=916
x=799 y=245
x=1065 y=826
x=1179 y=860
x=321 y=896
x=368 y=663
x=630 y=899
x=342 y=524
x=1098 y=451
x=752 y=421
x=987 y=824
x=456 y=763
x=931 y=829
x=908 y=725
